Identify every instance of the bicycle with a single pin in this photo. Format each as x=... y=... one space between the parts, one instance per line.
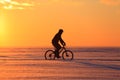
x=66 y=54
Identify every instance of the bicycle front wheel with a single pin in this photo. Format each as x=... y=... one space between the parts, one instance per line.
x=67 y=55
x=49 y=55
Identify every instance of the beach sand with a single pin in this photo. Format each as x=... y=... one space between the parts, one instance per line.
x=85 y=66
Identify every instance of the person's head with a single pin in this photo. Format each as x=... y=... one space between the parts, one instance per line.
x=61 y=31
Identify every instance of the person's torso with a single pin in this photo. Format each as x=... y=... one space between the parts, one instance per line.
x=56 y=38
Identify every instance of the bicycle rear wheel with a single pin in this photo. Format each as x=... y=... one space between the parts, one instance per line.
x=67 y=55
x=49 y=55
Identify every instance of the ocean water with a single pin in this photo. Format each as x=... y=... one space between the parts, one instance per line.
x=88 y=64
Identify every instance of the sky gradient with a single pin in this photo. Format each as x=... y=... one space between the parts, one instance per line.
x=86 y=23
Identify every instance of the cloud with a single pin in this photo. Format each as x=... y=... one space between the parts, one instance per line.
x=111 y=2
x=10 y=4
x=66 y=2
x=24 y=4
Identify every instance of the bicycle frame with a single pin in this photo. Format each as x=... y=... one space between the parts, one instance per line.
x=62 y=49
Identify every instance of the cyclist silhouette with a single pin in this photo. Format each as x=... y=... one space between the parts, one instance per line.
x=57 y=42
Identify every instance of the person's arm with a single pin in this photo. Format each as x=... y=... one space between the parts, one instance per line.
x=62 y=42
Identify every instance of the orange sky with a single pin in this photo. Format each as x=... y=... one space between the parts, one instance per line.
x=33 y=23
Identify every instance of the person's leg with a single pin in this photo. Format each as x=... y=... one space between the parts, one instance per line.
x=57 y=48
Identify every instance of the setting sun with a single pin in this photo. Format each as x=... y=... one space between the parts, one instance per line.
x=2 y=24
x=3 y=31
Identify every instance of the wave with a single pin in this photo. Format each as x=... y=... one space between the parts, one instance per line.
x=37 y=50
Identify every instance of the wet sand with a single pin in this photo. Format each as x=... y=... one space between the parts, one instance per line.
x=59 y=70
x=85 y=66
